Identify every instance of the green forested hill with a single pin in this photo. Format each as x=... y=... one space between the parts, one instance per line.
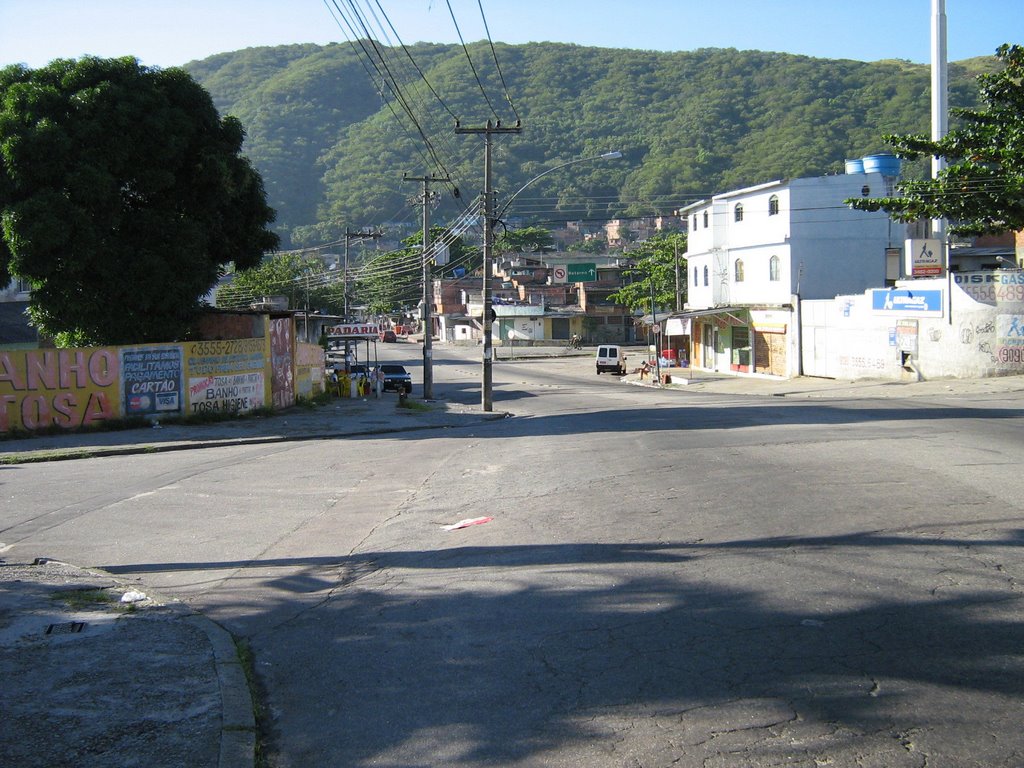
x=333 y=138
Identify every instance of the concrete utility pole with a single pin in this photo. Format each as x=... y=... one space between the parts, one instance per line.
x=349 y=235
x=940 y=102
x=428 y=352
x=489 y=216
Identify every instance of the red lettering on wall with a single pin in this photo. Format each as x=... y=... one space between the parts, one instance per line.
x=41 y=369
x=5 y=420
x=35 y=412
x=97 y=409
x=64 y=404
x=103 y=367
x=9 y=372
x=72 y=363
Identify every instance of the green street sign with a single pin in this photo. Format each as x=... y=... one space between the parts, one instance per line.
x=581 y=273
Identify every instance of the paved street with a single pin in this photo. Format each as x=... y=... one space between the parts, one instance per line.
x=688 y=577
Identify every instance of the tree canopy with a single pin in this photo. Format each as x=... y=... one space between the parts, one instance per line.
x=654 y=265
x=982 y=187
x=122 y=194
x=302 y=278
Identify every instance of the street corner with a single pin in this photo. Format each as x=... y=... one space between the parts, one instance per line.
x=102 y=671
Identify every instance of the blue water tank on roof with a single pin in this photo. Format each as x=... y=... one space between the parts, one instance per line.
x=886 y=164
x=854 y=166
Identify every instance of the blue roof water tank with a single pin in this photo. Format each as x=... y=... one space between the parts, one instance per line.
x=886 y=164
x=855 y=166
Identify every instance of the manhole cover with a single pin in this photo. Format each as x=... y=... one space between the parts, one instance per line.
x=67 y=628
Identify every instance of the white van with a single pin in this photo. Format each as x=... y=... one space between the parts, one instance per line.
x=611 y=357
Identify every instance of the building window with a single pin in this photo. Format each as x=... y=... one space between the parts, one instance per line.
x=737 y=267
x=24 y=285
x=738 y=212
x=695 y=221
x=773 y=205
x=695 y=277
x=705 y=276
x=773 y=269
x=705 y=219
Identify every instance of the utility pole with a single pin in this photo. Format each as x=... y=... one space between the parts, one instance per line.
x=489 y=215
x=348 y=238
x=428 y=352
x=679 y=294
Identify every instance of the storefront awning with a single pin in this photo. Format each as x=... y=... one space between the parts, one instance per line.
x=722 y=315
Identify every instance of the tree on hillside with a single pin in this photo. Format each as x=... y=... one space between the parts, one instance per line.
x=654 y=261
x=122 y=194
x=982 y=188
x=525 y=240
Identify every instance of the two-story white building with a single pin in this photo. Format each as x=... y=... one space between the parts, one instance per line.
x=753 y=253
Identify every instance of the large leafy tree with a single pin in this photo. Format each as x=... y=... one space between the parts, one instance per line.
x=654 y=266
x=302 y=278
x=982 y=188
x=122 y=194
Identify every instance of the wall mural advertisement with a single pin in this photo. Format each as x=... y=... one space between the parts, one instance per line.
x=66 y=388
x=226 y=375
x=151 y=379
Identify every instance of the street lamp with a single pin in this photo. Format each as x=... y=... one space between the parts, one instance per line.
x=490 y=217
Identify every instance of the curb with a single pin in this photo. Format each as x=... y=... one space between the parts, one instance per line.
x=238 y=721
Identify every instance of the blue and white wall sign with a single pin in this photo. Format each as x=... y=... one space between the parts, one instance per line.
x=907 y=301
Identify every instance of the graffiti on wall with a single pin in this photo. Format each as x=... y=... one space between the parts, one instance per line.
x=65 y=388
x=283 y=384
x=226 y=376
x=1010 y=339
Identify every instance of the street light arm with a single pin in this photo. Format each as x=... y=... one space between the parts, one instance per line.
x=605 y=156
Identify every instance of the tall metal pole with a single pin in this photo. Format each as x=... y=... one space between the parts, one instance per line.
x=940 y=102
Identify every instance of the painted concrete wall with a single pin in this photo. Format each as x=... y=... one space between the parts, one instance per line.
x=977 y=330
x=72 y=388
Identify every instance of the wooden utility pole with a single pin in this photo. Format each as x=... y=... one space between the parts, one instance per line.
x=428 y=352
x=486 y=373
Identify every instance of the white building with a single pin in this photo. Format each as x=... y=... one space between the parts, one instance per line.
x=754 y=253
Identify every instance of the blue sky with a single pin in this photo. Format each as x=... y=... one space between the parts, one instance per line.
x=172 y=32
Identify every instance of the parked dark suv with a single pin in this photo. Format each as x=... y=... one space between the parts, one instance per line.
x=396 y=378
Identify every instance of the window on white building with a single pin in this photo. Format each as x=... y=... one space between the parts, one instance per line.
x=737 y=268
x=705 y=276
x=773 y=205
x=773 y=269
x=694 y=277
x=737 y=212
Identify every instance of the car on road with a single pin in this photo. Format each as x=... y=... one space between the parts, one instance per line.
x=396 y=378
x=611 y=357
x=388 y=336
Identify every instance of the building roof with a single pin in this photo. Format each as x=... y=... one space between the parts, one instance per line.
x=14 y=324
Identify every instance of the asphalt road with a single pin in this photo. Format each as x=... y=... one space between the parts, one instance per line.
x=667 y=578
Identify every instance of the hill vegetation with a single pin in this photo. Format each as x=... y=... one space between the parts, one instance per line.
x=332 y=135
